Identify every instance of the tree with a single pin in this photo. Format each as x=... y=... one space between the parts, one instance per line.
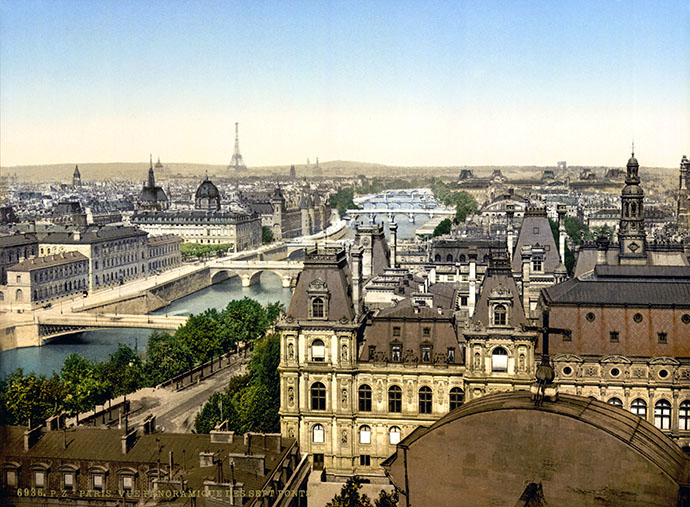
x=343 y=200
x=350 y=496
x=464 y=205
x=266 y=235
x=202 y=335
x=83 y=383
x=442 y=228
x=166 y=356
x=31 y=398
x=387 y=499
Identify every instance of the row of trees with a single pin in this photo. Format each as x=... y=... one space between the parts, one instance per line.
x=81 y=384
x=196 y=250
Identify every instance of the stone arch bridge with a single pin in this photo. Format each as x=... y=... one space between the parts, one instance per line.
x=250 y=271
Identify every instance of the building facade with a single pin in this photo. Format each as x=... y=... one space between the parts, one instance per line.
x=15 y=248
x=163 y=252
x=40 y=280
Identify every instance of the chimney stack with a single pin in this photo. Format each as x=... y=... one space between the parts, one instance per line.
x=357 y=279
x=393 y=227
x=561 y=209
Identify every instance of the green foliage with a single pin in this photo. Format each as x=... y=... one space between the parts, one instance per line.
x=463 y=202
x=83 y=383
x=387 y=499
x=350 y=496
x=342 y=200
x=442 y=228
x=166 y=357
x=250 y=402
x=266 y=235
x=203 y=251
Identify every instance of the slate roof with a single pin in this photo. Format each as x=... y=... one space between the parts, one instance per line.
x=190 y=217
x=536 y=220
x=499 y=275
x=329 y=266
x=625 y=285
x=92 y=235
x=48 y=261
x=17 y=240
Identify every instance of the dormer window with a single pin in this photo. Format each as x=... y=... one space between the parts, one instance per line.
x=537 y=264
x=426 y=332
x=500 y=315
x=396 y=331
x=426 y=353
x=317 y=308
x=396 y=352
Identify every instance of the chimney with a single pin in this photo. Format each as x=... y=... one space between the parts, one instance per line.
x=31 y=436
x=127 y=440
x=561 y=209
x=472 y=300
x=357 y=279
x=602 y=247
x=76 y=235
x=510 y=238
x=526 y=265
x=393 y=227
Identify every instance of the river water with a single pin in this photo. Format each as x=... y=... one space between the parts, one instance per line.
x=98 y=345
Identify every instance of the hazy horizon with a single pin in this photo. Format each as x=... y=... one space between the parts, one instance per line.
x=408 y=84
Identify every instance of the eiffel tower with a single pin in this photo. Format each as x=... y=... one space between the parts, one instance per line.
x=237 y=163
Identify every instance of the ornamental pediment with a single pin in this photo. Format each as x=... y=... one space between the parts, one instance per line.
x=500 y=292
x=615 y=359
x=567 y=358
x=665 y=361
x=318 y=284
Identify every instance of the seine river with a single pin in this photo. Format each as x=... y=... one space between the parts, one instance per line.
x=98 y=345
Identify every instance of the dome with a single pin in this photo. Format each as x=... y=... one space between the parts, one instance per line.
x=634 y=190
x=207 y=196
x=632 y=161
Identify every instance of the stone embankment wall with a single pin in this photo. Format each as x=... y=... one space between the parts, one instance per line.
x=156 y=297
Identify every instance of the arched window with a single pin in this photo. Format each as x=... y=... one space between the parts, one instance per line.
x=633 y=209
x=318 y=396
x=437 y=257
x=684 y=416
x=317 y=308
x=662 y=415
x=394 y=435
x=456 y=398
x=462 y=258
x=449 y=258
x=395 y=399
x=364 y=398
x=318 y=351
x=425 y=397
x=499 y=359
x=500 y=315
x=616 y=402
x=19 y=295
x=639 y=408
x=317 y=434
x=364 y=434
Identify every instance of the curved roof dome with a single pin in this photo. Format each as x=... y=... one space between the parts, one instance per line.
x=208 y=190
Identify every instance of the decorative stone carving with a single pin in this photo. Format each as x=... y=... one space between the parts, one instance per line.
x=291 y=351
x=343 y=438
x=343 y=352
x=343 y=398
x=291 y=396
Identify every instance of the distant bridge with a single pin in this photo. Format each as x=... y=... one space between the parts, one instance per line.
x=51 y=326
x=250 y=271
x=391 y=213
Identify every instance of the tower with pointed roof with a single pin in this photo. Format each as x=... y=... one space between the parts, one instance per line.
x=76 y=177
x=152 y=197
x=632 y=239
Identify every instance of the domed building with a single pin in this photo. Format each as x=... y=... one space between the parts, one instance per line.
x=207 y=197
x=152 y=197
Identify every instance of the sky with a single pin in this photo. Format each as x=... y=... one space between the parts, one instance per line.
x=433 y=83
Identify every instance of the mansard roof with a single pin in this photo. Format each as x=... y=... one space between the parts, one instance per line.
x=499 y=279
x=536 y=230
x=327 y=270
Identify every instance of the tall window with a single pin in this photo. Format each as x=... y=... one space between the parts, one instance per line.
x=318 y=396
x=684 y=416
x=499 y=359
x=395 y=399
x=364 y=434
x=639 y=408
x=616 y=402
x=426 y=353
x=318 y=351
x=364 y=398
x=394 y=435
x=425 y=400
x=317 y=308
x=456 y=398
x=396 y=352
x=500 y=315
x=317 y=434
x=536 y=264
x=662 y=415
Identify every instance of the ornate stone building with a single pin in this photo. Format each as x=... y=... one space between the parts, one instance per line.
x=291 y=218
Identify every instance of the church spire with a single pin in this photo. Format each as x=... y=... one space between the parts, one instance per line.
x=152 y=178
